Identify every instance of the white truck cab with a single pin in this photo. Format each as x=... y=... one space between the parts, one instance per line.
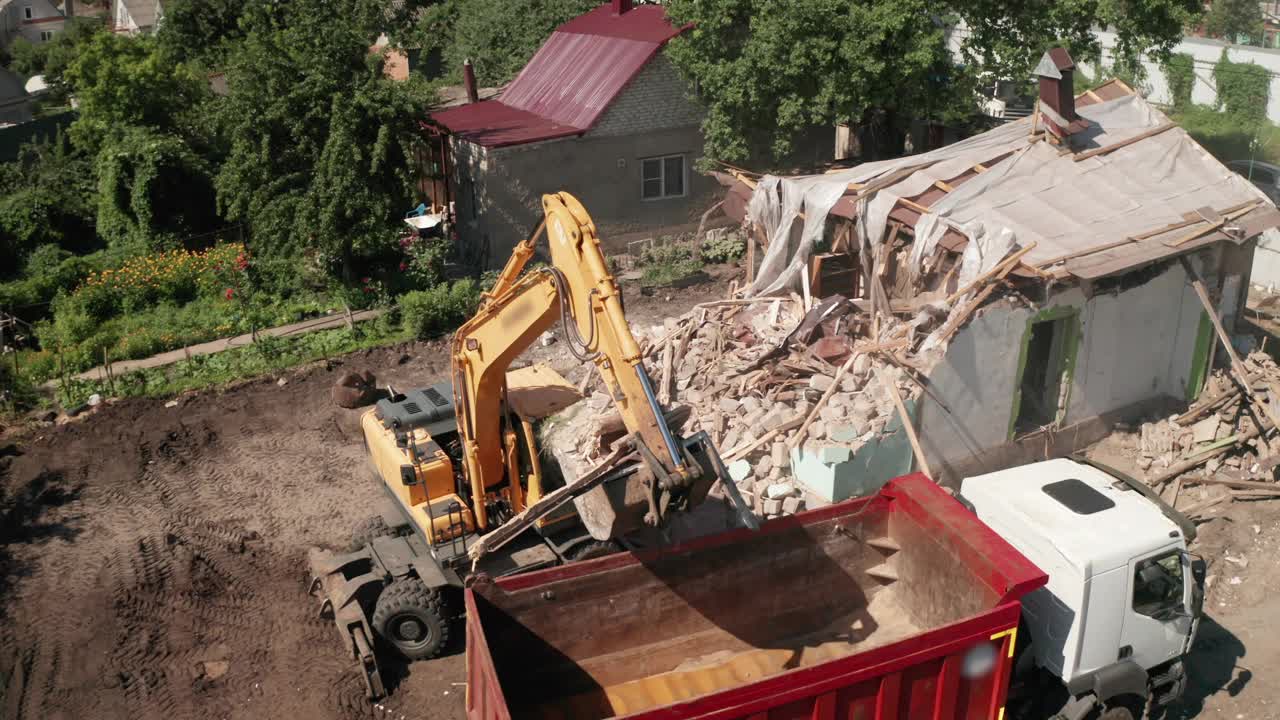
x=1122 y=604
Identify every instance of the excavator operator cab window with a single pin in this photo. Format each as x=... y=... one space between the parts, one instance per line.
x=408 y=476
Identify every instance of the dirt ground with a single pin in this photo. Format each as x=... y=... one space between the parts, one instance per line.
x=152 y=559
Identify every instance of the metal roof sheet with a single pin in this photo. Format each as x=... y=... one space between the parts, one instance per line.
x=569 y=82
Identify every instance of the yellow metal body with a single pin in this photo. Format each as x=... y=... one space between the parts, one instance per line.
x=520 y=308
x=426 y=501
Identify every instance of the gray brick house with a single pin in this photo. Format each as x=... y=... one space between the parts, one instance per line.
x=599 y=111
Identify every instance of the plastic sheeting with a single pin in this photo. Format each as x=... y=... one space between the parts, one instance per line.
x=1035 y=193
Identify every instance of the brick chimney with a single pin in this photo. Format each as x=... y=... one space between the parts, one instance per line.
x=469 y=82
x=621 y=6
x=1057 y=94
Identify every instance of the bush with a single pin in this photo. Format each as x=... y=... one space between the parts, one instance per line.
x=1179 y=72
x=663 y=264
x=723 y=247
x=428 y=313
x=1242 y=88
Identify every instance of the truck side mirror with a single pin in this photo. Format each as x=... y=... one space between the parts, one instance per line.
x=408 y=476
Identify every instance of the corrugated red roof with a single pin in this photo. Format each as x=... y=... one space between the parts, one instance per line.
x=573 y=77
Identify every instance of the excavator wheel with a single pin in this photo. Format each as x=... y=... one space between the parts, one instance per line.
x=592 y=549
x=368 y=529
x=412 y=618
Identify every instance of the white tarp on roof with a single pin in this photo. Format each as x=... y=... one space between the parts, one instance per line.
x=1036 y=194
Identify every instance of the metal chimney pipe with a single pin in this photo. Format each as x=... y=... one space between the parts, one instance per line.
x=469 y=81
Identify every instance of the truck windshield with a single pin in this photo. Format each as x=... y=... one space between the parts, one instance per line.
x=1157 y=585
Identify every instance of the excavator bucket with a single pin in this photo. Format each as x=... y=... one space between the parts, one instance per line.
x=344 y=582
x=618 y=506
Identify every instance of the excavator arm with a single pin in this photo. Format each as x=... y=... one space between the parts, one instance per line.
x=578 y=290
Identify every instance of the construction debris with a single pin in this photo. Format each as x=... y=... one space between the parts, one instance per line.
x=1224 y=447
x=775 y=387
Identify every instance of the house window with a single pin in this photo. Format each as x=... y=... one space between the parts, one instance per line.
x=46 y=35
x=26 y=12
x=662 y=177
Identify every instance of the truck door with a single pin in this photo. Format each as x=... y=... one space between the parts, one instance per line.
x=1158 y=621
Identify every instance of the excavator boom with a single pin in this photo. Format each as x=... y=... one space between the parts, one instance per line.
x=578 y=290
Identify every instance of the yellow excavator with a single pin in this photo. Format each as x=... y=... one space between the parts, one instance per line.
x=466 y=488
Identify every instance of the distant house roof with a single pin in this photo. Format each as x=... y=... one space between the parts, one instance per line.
x=573 y=77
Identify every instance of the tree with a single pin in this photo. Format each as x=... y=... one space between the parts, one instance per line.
x=497 y=40
x=45 y=199
x=1233 y=19
x=203 y=31
x=52 y=58
x=769 y=69
x=321 y=143
x=123 y=81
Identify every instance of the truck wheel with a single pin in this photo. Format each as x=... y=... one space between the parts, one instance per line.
x=368 y=529
x=412 y=617
x=592 y=549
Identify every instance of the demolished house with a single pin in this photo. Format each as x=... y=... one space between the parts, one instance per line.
x=1000 y=300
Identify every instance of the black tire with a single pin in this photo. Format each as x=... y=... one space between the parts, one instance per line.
x=592 y=549
x=412 y=618
x=368 y=529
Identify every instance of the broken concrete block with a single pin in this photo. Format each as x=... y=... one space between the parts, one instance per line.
x=802 y=406
x=817 y=430
x=1205 y=430
x=861 y=365
x=792 y=505
x=778 y=453
x=843 y=433
x=764 y=465
x=775 y=418
x=850 y=382
x=777 y=491
x=729 y=405
x=598 y=401
x=739 y=470
x=831 y=414
x=832 y=455
x=750 y=403
x=772 y=507
x=821 y=383
x=863 y=407
x=731 y=439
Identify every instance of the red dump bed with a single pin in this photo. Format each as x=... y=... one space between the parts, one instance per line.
x=899 y=606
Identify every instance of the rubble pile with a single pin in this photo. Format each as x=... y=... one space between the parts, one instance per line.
x=1225 y=443
x=767 y=381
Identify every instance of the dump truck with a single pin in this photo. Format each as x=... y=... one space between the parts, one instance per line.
x=909 y=604
x=900 y=605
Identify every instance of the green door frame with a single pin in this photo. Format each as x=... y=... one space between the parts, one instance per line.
x=1200 y=357
x=1069 y=349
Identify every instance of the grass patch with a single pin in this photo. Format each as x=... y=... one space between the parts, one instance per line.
x=1229 y=136
x=267 y=356
x=665 y=264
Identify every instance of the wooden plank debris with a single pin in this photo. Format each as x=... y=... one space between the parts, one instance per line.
x=907 y=423
x=1126 y=142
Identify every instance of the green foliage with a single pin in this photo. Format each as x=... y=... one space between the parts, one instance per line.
x=1242 y=88
x=153 y=190
x=122 y=81
x=1234 y=20
x=201 y=31
x=428 y=313
x=769 y=69
x=45 y=198
x=1229 y=137
x=723 y=248
x=52 y=58
x=1180 y=74
x=665 y=264
x=497 y=39
x=27 y=58
x=321 y=144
